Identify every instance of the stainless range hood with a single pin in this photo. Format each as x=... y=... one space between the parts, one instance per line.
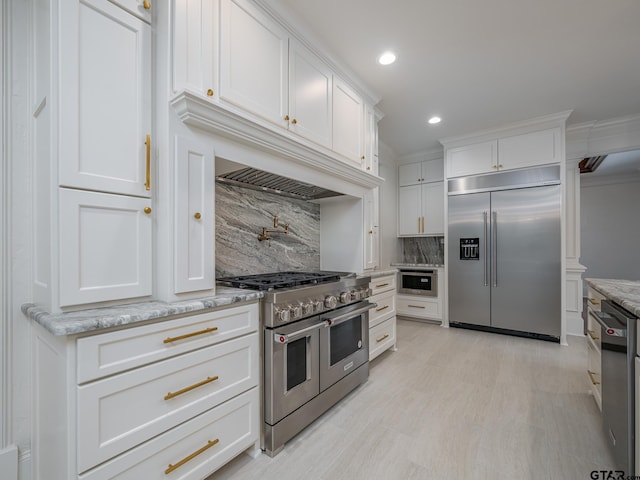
x=268 y=182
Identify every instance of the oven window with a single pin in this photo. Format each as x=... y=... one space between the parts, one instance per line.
x=296 y=363
x=346 y=339
x=417 y=282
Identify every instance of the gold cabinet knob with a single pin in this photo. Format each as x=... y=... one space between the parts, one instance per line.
x=146 y=5
x=197 y=216
x=370 y=232
x=368 y=168
x=147 y=210
x=494 y=166
x=500 y=166
x=294 y=121
x=286 y=117
x=210 y=93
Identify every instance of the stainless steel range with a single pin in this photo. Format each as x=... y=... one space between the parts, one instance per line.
x=315 y=345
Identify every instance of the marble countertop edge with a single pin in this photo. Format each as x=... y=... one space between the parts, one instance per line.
x=625 y=293
x=81 y=321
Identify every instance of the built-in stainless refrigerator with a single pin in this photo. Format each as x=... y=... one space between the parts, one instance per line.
x=504 y=252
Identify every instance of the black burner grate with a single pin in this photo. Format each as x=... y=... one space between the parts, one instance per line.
x=273 y=281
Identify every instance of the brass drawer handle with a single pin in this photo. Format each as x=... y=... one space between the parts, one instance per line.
x=197 y=215
x=382 y=308
x=591 y=332
x=171 y=468
x=188 y=335
x=378 y=340
x=415 y=306
x=171 y=395
x=593 y=301
x=147 y=183
x=591 y=375
x=382 y=285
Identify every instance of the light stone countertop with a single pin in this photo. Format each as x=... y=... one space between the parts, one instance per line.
x=380 y=273
x=418 y=266
x=625 y=293
x=82 y=321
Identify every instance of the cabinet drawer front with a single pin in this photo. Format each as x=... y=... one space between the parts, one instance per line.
x=594 y=299
x=122 y=411
x=114 y=352
x=417 y=307
x=382 y=337
x=234 y=424
x=386 y=308
x=594 y=373
x=383 y=284
x=594 y=330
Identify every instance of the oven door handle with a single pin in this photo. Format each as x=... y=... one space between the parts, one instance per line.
x=344 y=317
x=282 y=338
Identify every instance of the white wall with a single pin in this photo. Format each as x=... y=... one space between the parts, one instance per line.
x=389 y=243
x=610 y=228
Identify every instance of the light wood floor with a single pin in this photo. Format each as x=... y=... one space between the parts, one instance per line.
x=452 y=404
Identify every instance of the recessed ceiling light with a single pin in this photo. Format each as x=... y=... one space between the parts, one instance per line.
x=387 y=58
x=434 y=120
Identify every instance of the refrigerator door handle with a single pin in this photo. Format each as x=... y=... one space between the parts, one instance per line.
x=486 y=249
x=494 y=249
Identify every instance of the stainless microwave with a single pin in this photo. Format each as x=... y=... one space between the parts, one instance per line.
x=419 y=282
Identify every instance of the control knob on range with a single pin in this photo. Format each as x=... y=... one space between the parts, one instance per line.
x=307 y=308
x=330 y=301
x=282 y=315
x=317 y=306
x=296 y=310
x=345 y=297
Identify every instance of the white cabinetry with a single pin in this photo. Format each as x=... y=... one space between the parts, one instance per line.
x=540 y=147
x=371 y=163
x=371 y=237
x=136 y=402
x=422 y=172
x=348 y=118
x=421 y=209
x=382 y=318
x=423 y=307
x=594 y=352
x=194 y=258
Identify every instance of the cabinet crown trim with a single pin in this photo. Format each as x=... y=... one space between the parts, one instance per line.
x=516 y=128
x=199 y=112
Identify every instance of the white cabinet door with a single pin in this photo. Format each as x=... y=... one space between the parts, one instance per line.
x=472 y=159
x=371 y=237
x=105 y=98
x=409 y=210
x=105 y=247
x=137 y=7
x=410 y=174
x=348 y=116
x=433 y=208
x=530 y=149
x=370 y=140
x=433 y=170
x=254 y=61
x=310 y=96
x=194 y=217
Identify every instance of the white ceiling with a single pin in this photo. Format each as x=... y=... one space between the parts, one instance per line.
x=482 y=64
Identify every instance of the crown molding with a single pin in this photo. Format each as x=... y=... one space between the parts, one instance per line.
x=197 y=111
x=603 y=137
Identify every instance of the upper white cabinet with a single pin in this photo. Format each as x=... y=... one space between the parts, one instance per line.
x=348 y=118
x=421 y=209
x=422 y=172
x=105 y=98
x=370 y=140
x=254 y=61
x=310 y=96
x=194 y=259
x=371 y=221
x=507 y=152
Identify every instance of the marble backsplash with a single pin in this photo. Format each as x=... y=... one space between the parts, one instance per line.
x=423 y=250
x=240 y=215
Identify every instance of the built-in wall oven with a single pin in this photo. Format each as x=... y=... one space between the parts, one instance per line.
x=418 y=282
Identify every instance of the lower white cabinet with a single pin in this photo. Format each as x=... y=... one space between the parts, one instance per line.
x=594 y=353
x=105 y=247
x=382 y=318
x=171 y=399
x=420 y=307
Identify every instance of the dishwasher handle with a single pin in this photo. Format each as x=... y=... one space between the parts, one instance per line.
x=611 y=325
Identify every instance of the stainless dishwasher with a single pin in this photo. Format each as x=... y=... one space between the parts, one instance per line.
x=618 y=382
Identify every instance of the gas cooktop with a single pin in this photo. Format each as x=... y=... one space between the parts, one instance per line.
x=279 y=280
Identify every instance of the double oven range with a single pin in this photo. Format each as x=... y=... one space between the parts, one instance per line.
x=315 y=345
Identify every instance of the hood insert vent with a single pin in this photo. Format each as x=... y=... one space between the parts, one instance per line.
x=268 y=182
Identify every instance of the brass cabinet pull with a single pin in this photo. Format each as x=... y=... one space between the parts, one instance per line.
x=591 y=375
x=500 y=166
x=146 y=5
x=591 y=332
x=422 y=224
x=210 y=443
x=197 y=215
x=494 y=166
x=368 y=168
x=286 y=117
x=593 y=301
x=147 y=210
x=210 y=93
x=382 y=308
x=382 y=285
x=294 y=121
x=189 y=335
x=370 y=232
x=147 y=183
x=415 y=306
x=378 y=340
x=171 y=395
x=419 y=225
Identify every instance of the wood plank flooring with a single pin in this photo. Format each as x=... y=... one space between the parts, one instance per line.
x=452 y=404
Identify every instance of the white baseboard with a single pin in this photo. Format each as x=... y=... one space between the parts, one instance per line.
x=9 y=463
